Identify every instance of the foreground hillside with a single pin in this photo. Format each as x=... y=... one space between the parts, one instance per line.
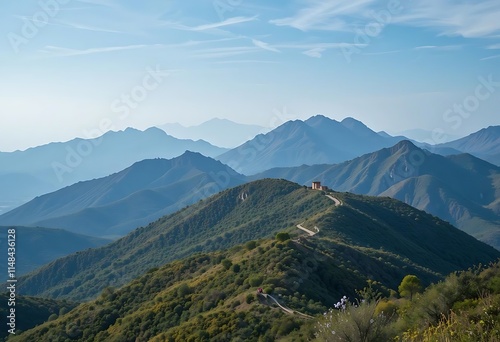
x=214 y=297
x=359 y=229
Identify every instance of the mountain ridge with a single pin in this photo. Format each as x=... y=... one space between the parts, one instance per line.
x=153 y=188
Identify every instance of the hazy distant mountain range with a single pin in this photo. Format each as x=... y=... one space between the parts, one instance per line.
x=114 y=205
x=314 y=141
x=38 y=246
x=38 y=170
x=220 y=132
x=461 y=189
x=484 y=144
x=425 y=136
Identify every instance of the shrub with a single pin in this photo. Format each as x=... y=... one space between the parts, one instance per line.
x=282 y=236
x=226 y=263
x=250 y=298
x=255 y=280
x=250 y=245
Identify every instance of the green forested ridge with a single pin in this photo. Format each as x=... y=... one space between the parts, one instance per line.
x=219 y=222
x=362 y=226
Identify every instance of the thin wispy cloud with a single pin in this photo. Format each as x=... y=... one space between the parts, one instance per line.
x=86 y=27
x=227 y=22
x=316 y=50
x=212 y=26
x=225 y=52
x=490 y=57
x=324 y=15
x=56 y=51
x=245 y=61
x=315 y=53
x=263 y=45
x=469 y=19
x=472 y=19
x=438 y=47
x=493 y=47
x=380 y=53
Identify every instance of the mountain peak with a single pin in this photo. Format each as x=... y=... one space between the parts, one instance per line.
x=356 y=125
x=404 y=145
x=319 y=118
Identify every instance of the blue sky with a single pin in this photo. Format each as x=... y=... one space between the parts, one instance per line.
x=79 y=67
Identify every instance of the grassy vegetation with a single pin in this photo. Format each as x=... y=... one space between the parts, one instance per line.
x=463 y=307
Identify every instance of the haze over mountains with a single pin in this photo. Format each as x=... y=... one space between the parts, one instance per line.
x=150 y=189
x=38 y=246
x=114 y=205
x=211 y=208
x=314 y=141
x=38 y=170
x=219 y=132
x=484 y=144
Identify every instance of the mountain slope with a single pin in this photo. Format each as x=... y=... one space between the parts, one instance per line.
x=314 y=141
x=213 y=296
x=257 y=210
x=114 y=205
x=53 y=166
x=461 y=189
x=484 y=144
x=234 y=135
x=39 y=246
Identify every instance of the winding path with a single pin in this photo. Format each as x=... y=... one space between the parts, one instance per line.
x=337 y=202
x=310 y=232
x=285 y=309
